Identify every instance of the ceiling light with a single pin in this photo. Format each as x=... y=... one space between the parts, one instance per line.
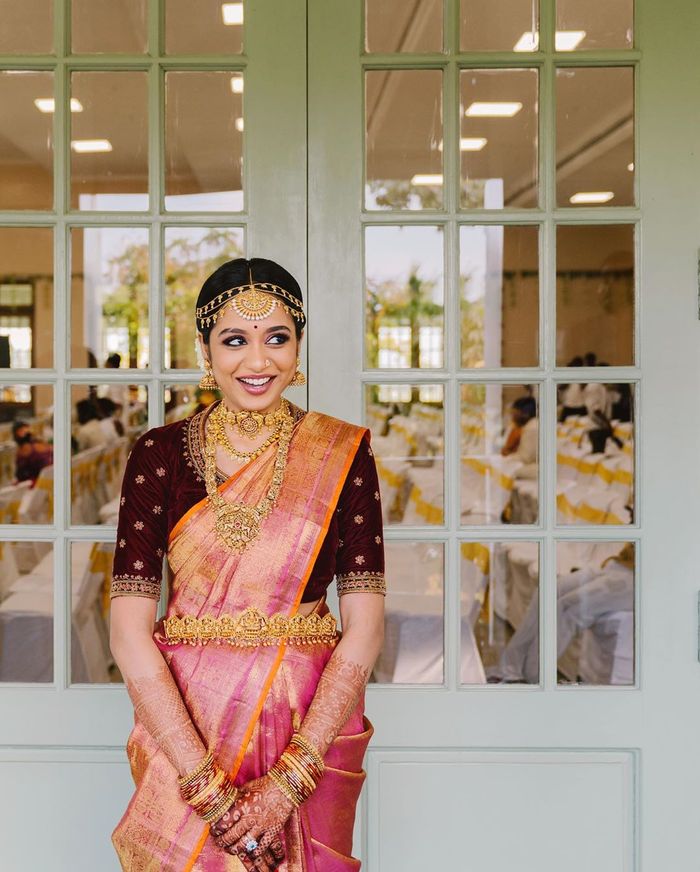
x=427 y=179
x=48 y=104
x=472 y=143
x=237 y=84
x=592 y=197
x=239 y=125
x=564 y=40
x=630 y=167
x=85 y=146
x=232 y=13
x=493 y=110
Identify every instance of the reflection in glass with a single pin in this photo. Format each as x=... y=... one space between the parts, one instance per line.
x=404 y=303
x=498 y=25
x=595 y=295
x=498 y=138
x=414 y=622
x=182 y=400
x=408 y=426
x=595 y=136
x=108 y=26
x=109 y=296
x=106 y=421
x=26 y=297
x=500 y=629
x=597 y=24
x=404 y=139
x=26 y=147
x=595 y=454
x=204 y=27
x=204 y=172
x=500 y=454
x=26 y=611
x=91 y=576
x=26 y=461
x=109 y=141
x=595 y=613
x=499 y=295
x=27 y=27
x=191 y=254
x=397 y=26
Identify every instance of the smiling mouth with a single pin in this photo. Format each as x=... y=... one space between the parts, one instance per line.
x=257 y=382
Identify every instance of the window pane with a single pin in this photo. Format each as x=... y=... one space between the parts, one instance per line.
x=26 y=611
x=109 y=296
x=183 y=400
x=108 y=26
x=191 y=255
x=595 y=136
x=26 y=150
x=204 y=27
x=595 y=613
x=596 y=24
x=397 y=26
x=204 y=173
x=408 y=426
x=106 y=421
x=27 y=27
x=595 y=295
x=403 y=139
x=498 y=25
x=499 y=295
x=414 y=621
x=109 y=141
x=500 y=454
x=26 y=459
x=26 y=297
x=498 y=138
x=404 y=303
x=500 y=629
x=595 y=454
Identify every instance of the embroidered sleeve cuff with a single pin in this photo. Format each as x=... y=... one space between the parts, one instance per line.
x=126 y=585
x=361 y=582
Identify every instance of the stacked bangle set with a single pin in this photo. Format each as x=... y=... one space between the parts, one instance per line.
x=208 y=789
x=298 y=770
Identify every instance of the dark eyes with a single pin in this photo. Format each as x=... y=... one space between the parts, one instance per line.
x=273 y=339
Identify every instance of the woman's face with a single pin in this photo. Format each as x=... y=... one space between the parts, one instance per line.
x=253 y=361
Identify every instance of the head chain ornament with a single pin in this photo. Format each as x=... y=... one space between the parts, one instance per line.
x=252 y=301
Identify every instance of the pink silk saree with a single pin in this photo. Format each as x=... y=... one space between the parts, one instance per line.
x=246 y=702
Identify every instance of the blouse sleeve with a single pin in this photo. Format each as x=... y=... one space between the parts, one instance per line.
x=360 y=556
x=142 y=531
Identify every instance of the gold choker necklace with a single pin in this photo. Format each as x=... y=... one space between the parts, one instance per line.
x=249 y=424
x=220 y=436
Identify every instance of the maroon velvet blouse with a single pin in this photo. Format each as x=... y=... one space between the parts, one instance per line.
x=164 y=478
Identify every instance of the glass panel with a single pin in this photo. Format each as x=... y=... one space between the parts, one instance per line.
x=498 y=138
x=595 y=613
x=500 y=454
x=109 y=141
x=498 y=25
x=595 y=454
x=595 y=295
x=595 y=24
x=109 y=296
x=26 y=297
x=106 y=421
x=397 y=26
x=183 y=400
x=499 y=295
x=26 y=611
x=108 y=26
x=500 y=608
x=91 y=576
x=191 y=254
x=204 y=27
x=26 y=149
x=403 y=139
x=595 y=136
x=408 y=426
x=27 y=27
x=204 y=173
x=404 y=302
x=414 y=622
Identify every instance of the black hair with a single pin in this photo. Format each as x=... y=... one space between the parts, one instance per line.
x=527 y=406
x=106 y=406
x=114 y=360
x=239 y=272
x=86 y=411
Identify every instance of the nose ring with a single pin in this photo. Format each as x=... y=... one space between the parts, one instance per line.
x=267 y=362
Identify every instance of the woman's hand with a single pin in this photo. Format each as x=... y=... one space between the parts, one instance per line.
x=258 y=815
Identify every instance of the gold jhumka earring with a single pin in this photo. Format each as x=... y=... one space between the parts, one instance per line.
x=299 y=379
x=207 y=382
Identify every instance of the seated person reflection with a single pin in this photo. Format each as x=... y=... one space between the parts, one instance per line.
x=110 y=414
x=526 y=451
x=32 y=454
x=523 y=410
x=90 y=433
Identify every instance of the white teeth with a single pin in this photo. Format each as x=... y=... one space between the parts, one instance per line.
x=256 y=382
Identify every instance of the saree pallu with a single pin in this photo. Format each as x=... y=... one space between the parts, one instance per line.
x=246 y=702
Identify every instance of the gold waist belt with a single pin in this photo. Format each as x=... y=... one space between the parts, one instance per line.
x=251 y=628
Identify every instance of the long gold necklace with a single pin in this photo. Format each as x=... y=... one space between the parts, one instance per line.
x=218 y=429
x=238 y=524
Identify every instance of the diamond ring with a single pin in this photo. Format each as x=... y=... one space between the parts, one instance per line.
x=251 y=845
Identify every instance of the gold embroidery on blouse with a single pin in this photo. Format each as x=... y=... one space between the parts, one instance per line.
x=361 y=582
x=130 y=585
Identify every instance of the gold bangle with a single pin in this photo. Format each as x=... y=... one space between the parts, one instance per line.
x=210 y=790
x=285 y=787
x=228 y=798
x=184 y=780
x=303 y=742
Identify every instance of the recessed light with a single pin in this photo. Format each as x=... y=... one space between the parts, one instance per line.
x=239 y=125
x=472 y=143
x=630 y=167
x=427 y=179
x=48 y=104
x=232 y=13
x=501 y=109
x=85 y=146
x=564 y=40
x=237 y=84
x=592 y=197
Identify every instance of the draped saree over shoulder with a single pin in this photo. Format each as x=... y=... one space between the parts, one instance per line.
x=246 y=702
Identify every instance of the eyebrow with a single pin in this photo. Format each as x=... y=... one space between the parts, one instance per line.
x=241 y=332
